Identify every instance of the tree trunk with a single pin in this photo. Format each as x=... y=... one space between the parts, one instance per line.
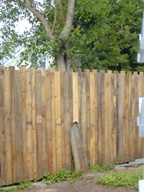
x=62 y=61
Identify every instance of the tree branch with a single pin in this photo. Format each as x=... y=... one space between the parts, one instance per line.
x=55 y=18
x=59 y=6
x=69 y=19
x=41 y=18
x=77 y=28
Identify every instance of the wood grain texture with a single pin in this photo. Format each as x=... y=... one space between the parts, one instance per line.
x=92 y=119
x=8 y=130
x=67 y=120
x=34 y=130
x=102 y=117
x=88 y=110
x=18 y=128
x=48 y=122
x=75 y=98
x=121 y=117
x=43 y=115
x=62 y=84
x=39 y=126
x=58 y=121
x=114 y=133
x=137 y=85
x=130 y=116
x=13 y=121
x=83 y=110
x=2 y=129
x=29 y=134
x=126 y=146
x=53 y=118
x=96 y=76
x=79 y=153
x=107 y=118
x=23 y=125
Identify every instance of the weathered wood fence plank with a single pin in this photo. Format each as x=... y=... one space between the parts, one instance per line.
x=2 y=129
x=29 y=134
x=8 y=130
x=18 y=131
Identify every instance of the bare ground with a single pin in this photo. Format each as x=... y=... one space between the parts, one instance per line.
x=83 y=184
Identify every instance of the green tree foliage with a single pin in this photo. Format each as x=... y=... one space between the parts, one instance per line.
x=104 y=32
x=110 y=34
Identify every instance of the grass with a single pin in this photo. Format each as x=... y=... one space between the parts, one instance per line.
x=118 y=179
x=25 y=184
x=113 y=179
x=62 y=175
x=102 y=168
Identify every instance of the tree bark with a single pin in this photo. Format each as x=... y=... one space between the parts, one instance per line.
x=62 y=61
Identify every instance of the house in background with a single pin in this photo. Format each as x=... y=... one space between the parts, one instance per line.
x=43 y=62
x=140 y=56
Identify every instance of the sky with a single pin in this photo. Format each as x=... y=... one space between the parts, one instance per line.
x=22 y=25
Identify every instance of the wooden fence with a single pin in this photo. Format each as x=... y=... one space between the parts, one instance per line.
x=37 y=109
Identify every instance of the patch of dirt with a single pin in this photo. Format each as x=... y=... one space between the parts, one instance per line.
x=83 y=184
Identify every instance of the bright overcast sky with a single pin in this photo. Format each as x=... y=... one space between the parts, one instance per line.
x=22 y=25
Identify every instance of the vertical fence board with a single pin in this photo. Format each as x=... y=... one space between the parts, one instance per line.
x=134 y=99
x=48 y=123
x=114 y=133
x=67 y=120
x=75 y=98
x=130 y=116
x=34 y=131
x=92 y=119
x=96 y=76
x=137 y=83
x=53 y=118
x=2 y=130
x=58 y=121
x=110 y=111
x=8 y=131
x=23 y=125
x=98 y=119
x=18 y=127
x=43 y=111
x=62 y=77
x=88 y=110
x=83 y=110
x=13 y=124
x=79 y=101
x=101 y=118
x=136 y=130
x=38 y=86
x=107 y=120
x=126 y=146
x=121 y=126
x=29 y=142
